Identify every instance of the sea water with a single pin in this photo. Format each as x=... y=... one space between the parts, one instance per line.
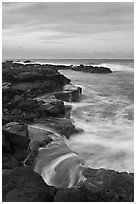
x=106 y=114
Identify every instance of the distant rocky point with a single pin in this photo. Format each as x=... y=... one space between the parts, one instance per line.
x=92 y=69
x=27 y=61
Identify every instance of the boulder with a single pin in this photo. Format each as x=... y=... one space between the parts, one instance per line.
x=27 y=61
x=40 y=136
x=52 y=108
x=6 y=145
x=24 y=185
x=59 y=104
x=17 y=99
x=28 y=105
x=16 y=134
x=8 y=61
x=9 y=161
x=49 y=110
x=108 y=185
x=16 y=140
x=5 y=86
x=64 y=126
x=70 y=93
x=70 y=195
x=21 y=153
x=34 y=149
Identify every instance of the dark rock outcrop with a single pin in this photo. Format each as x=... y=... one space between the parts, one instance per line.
x=108 y=186
x=9 y=161
x=92 y=69
x=70 y=195
x=52 y=108
x=101 y=186
x=27 y=61
x=9 y=61
x=15 y=143
x=16 y=134
x=19 y=105
x=24 y=185
x=40 y=137
x=64 y=126
x=15 y=72
x=70 y=93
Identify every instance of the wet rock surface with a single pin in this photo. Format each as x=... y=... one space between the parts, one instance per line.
x=70 y=93
x=101 y=185
x=9 y=161
x=64 y=126
x=70 y=195
x=108 y=185
x=24 y=185
x=16 y=134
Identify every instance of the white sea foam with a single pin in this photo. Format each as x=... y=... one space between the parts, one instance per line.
x=116 y=67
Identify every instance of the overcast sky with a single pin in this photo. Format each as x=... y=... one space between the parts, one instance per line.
x=68 y=30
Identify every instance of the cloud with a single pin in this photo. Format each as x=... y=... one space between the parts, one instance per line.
x=67 y=15
x=67 y=23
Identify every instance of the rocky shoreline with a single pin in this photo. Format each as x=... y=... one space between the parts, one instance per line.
x=34 y=94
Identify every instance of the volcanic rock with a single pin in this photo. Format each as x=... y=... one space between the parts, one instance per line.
x=24 y=185
x=17 y=99
x=70 y=93
x=16 y=134
x=9 y=161
x=15 y=141
x=63 y=126
x=92 y=69
x=40 y=137
x=52 y=108
x=70 y=195
x=28 y=105
x=27 y=61
x=108 y=185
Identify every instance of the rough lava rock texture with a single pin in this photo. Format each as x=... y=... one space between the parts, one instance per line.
x=15 y=144
x=108 y=185
x=70 y=195
x=35 y=77
x=24 y=185
x=16 y=134
x=9 y=161
x=70 y=93
x=101 y=185
x=64 y=126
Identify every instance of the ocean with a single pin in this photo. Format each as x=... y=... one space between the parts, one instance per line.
x=106 y=115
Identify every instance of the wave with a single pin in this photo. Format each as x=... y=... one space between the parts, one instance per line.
x=116 y=67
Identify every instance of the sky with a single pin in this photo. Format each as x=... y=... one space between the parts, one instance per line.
x=67 y=30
